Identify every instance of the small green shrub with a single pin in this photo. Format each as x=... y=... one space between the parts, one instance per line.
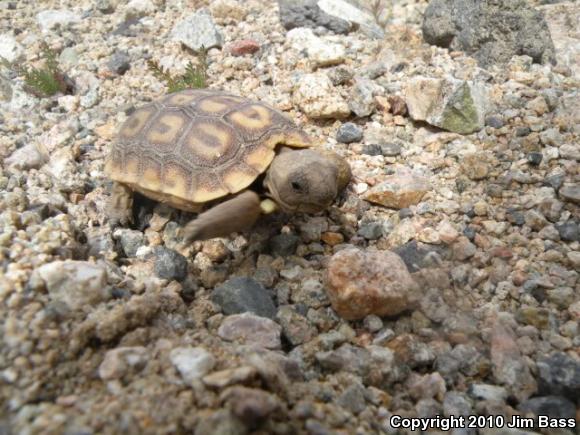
x=195 y=76
x=42 y=82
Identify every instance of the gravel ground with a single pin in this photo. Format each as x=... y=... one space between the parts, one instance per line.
x=444 y=281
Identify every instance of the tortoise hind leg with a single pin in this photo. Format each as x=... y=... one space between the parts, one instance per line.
x=120 y=205
x=234 y=215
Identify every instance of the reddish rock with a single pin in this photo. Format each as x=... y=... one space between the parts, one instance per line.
x=508 y=365
x=398 y=105
x=360 y=283
x=331 y=238
x=243 y=46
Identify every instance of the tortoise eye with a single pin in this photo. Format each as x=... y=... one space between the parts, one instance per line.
x=297 y=187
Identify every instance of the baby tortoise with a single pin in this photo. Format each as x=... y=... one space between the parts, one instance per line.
x=203 y=149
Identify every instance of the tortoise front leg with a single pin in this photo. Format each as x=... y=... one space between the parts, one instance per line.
x=120 y=205
x=234 y=215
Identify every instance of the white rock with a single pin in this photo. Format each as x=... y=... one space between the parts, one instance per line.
x=192 y=362
x=76 y=283
x=320 y=52
x=119 y=361
x=317 y=98
x=30 y=156
x=198 y=30
x=139 y=8
x=9 y=48
x=50 y=19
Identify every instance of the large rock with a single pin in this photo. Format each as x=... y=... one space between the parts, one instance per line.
x=559 y=374
x=198 y=31
x=360 y=283
x=307 y=13
x=451 y=104
x=318 y=99
x=492 y=31
x=76 y=283
x=564 y=32
x=398 y=191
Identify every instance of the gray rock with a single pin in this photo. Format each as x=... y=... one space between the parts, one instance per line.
x=68 y=57
x=494 y=121
x=362 y=101
x=198 y=31
x=492 y=32
x=456 y=403
x=346 y=358
x=571 y=193
x=192 y=362
x=371 y=231
x=241 y=294
x=462 y=358
x=307 y=13
x=451 y=104
x=552 y=406
x=131 y=240
x=283 y=245
x=79 y=284
x=349 y=132
x=169 y=264
x=119 y=63
x=570 y=151
x=373 y=323
x=569 y=231
x=297 y=329
x=250 y=329
x=535 y=158
x=535 y=220
x=559 y=374
x=353 y=398
x=418 y=256
x=391 y=149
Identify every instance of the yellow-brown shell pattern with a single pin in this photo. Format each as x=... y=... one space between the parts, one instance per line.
x=195 y=146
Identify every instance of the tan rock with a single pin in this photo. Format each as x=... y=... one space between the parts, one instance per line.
x=398 y=191
x=318 y=99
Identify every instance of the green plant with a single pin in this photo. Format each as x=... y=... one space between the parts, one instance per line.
x=45 y=81
x=195 y=76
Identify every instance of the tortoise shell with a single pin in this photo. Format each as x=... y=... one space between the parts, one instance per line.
x=196 y=146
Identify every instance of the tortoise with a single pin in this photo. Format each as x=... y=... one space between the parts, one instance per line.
x=228 y=157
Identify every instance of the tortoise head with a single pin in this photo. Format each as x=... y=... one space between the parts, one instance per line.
x=306 y=180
